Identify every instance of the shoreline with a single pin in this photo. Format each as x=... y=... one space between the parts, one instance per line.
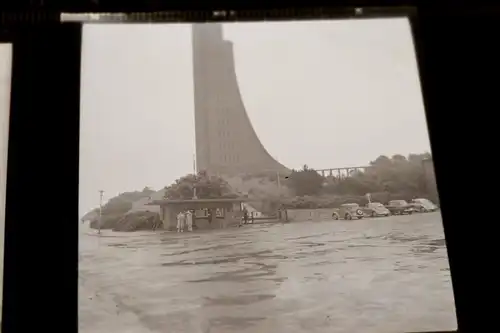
x=313 y=218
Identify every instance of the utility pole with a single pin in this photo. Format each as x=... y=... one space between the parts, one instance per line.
x=101 y=192
x=195 y=177
x=279 y=182
x=194 y=163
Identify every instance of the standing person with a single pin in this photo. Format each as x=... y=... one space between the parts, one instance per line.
x=194 y=219
x=209 y=216
x=189 y=220
x=181 y=218
x=245 y=216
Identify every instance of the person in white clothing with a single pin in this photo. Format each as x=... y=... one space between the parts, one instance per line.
x=189 y=220
x=181 y=219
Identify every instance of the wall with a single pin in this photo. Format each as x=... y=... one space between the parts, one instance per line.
x=301 y=215
x=217 y=223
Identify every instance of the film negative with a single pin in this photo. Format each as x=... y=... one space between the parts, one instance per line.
x=231 y=15
x=9 y=18
x=208 y=124
x=5 y=78
x=93 y=17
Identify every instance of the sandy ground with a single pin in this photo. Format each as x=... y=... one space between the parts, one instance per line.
x=374 y=275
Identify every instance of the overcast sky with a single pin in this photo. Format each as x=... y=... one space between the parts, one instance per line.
x=322 y=93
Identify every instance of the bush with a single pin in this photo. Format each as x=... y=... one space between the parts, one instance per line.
x=140 y=220
x=136 y=221
x=107 y=221
x=306 y=181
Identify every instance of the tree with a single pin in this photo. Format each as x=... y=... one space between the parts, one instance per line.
x=398 y=174
x=122 y=203
x=148 y=190
x=381 y=161
x=207 y=187
x=306 y=181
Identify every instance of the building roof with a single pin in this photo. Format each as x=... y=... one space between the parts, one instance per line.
x=194 y=201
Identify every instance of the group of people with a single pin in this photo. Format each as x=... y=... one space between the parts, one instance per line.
x=185 y=220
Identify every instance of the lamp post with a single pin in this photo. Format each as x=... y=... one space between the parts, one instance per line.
x=194 y=190
x=101 y=192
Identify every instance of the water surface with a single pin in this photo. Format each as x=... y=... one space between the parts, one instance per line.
x=374 y=275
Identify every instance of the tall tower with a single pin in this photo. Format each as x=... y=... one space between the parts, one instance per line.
x=226 y=142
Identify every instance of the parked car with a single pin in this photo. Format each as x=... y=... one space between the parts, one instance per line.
x=399 y=207
x=423 y=205
x=348 y=212
x=375 y=209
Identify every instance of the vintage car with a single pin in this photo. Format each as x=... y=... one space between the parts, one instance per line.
x=375 y=209
x=348 y=212
x=399 y=207
x=423 y=205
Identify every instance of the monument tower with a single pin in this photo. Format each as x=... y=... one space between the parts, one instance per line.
x=226 y=142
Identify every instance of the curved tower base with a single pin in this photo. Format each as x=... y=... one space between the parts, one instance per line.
x=226 y=142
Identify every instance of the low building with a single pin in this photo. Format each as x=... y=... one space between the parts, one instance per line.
x=225 y=212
